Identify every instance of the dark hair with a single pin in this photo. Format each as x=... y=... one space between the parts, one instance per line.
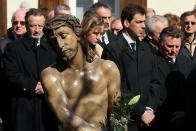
x=34 y=12
x=129 y=12
x=170 y=31
x=100 y=4
x=187 y=13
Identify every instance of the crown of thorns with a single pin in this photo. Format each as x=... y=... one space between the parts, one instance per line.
x=66 y=20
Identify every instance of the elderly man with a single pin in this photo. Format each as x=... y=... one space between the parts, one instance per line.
x=16 y=32
x=154 y=25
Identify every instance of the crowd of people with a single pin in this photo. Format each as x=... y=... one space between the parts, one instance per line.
x=60 y=74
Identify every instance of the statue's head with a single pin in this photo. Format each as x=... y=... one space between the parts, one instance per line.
x=67 y=20
x=63 y=33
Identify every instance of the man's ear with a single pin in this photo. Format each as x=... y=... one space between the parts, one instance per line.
x=126 y=23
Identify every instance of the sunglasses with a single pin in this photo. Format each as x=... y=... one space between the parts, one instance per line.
x=16 y=22
x=189 y=22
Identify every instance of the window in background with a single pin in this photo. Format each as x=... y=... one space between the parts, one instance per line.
x=83 y=5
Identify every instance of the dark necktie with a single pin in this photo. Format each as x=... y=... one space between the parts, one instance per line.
x=133 y=46
x=103 y=44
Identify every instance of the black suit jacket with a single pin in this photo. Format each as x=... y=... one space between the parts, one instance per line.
x=138 y=73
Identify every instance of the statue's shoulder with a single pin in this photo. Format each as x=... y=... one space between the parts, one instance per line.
x=49 y=73
x=106 y=64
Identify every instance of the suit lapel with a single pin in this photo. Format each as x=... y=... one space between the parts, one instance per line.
x=163 y=67
x=127 y=51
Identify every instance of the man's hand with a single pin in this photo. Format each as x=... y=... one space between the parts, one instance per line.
x=39 y=89
x=147 y=117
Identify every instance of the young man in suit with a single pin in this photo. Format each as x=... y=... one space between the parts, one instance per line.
x=138 y=67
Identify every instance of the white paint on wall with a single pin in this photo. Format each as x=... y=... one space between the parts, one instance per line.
x=13 y=5
x=160 y=6
x=72 y=4
x=171 y=6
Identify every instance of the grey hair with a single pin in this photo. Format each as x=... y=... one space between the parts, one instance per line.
x=22 y=10
x=61 y=7
x=151 y=23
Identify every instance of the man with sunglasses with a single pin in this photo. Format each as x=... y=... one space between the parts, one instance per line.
x=15 y=32
x=188 y=20
x=188 y=25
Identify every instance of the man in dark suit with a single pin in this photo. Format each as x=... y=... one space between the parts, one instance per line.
x=24 y=60
x=105 y=11
x=137 y=66
x=174 y=69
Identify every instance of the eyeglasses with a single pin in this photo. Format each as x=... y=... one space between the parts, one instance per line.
x=106 y=18
x=36 y=26
x=189 y=22
x=16 y=22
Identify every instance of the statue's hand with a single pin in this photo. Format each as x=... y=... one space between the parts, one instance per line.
x=87 y=127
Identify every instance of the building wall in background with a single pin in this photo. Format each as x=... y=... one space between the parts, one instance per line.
x=161 y=6
x=171 y=6
x=12 y=5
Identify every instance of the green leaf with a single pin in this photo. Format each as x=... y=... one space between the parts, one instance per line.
x=119 y=128
x=134 y=100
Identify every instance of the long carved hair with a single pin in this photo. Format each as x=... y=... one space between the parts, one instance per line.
x=74 y=23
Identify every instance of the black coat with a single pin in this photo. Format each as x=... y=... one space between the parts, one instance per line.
x=4 y=92
x=191 y=97
x=171 y=115
x=139 y=74
x=24 y=62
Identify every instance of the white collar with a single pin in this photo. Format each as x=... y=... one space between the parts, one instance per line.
x=106 y=40
x=128 y=38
